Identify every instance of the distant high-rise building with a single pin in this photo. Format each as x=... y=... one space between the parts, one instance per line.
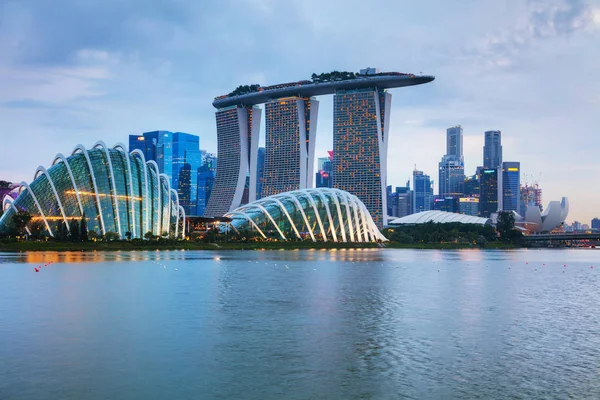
x=469 y=205
x=492 y=150
x=206 y=181
x=177 y=156
x=422 y=192
x=488 y=197
x=454 y=142
x=360 y=133
x=451 y=177
x=324 y=175
x=289 y=144
x=471 y=186
x=157 y=146
x=596 y=223
x=510 y=185
x=448 y=204
x=260 y=172
x=237 y=141
x=452 y=168
x=404 y=198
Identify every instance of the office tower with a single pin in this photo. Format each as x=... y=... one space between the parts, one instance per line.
x=289 y=144
x=488 y=197
x=403 y=201
x=324 y=175
x=360 y=132
x=451 y=177
x=237 y=146
x=471 y=186
x=510 y=185
x=186 y=161
x=452 y=168
x=260 y=171
x=469 y=205
x=157 y=146
x=177 y=156
x=492 y=150
x=206 y=180
x=595 y=223
x=454 y=142
x=422 y=192
x=531 y=195
x=448 y=204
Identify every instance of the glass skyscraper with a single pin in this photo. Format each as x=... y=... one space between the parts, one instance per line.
x=488 y=198
x=289 y=144
x=492 y=150
x=360 y=129
x=452 y=167
x=454 y=142
x=237 y=143
x=260 y=172
x=511 y=187
x=157 y=146
x=177 y=156
x=422 y=192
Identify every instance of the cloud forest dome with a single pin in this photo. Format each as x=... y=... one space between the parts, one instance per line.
x=115 y=190
x=321 y=214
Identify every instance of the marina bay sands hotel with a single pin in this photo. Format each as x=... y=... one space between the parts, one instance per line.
x=361 y=118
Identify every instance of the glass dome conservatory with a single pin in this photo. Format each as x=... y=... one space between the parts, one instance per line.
x=321 y=214
x=115 y=190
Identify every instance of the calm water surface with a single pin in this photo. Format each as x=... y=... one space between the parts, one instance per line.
x=361 y=324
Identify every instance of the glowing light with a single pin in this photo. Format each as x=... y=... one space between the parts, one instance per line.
x=119 y=196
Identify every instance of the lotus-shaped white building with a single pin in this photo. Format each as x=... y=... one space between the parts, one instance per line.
x=536 y=221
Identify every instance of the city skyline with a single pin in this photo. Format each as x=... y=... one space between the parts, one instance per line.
x=59 y=88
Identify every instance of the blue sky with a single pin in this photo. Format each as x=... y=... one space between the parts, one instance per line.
x=77 y=71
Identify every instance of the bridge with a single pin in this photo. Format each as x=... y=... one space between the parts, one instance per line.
x=562 y=236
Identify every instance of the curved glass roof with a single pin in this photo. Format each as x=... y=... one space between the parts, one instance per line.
x=439 y=217
x=320 y=214
x=116 y=191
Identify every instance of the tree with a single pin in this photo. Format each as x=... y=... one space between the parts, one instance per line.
x=20 y=221
x=505 y=223
x=84 y=229
x=93 y=235
x=111 y=236
x=74 y=231
x=149 y=235
x=128 y=235
x=5 y=184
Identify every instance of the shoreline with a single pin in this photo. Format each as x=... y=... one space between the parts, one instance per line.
x=185 y=245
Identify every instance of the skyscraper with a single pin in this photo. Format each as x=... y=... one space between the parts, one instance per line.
x=469 y=205
x=186 y=161
x=177 y=156
x=206 y=180
x=452 y=167
x=404 y=198
x=289 y=144
x=488 y=197
x=324 y=175
x=531 y=195
x=422 y=192
x=454 y=142
x=260 y=172
x=237 y=144
x=157 y=146
x=595 y=223
x=492 y=150
x=360 y=130
x=511 y=183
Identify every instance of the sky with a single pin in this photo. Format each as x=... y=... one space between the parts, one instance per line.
x=79 y=71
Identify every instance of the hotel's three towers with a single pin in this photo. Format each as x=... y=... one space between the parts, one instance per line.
x=361 y=119
x=360 y=128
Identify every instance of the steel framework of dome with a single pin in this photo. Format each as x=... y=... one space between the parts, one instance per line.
x=319 y=214
x=439 y=217
x=115 y=190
